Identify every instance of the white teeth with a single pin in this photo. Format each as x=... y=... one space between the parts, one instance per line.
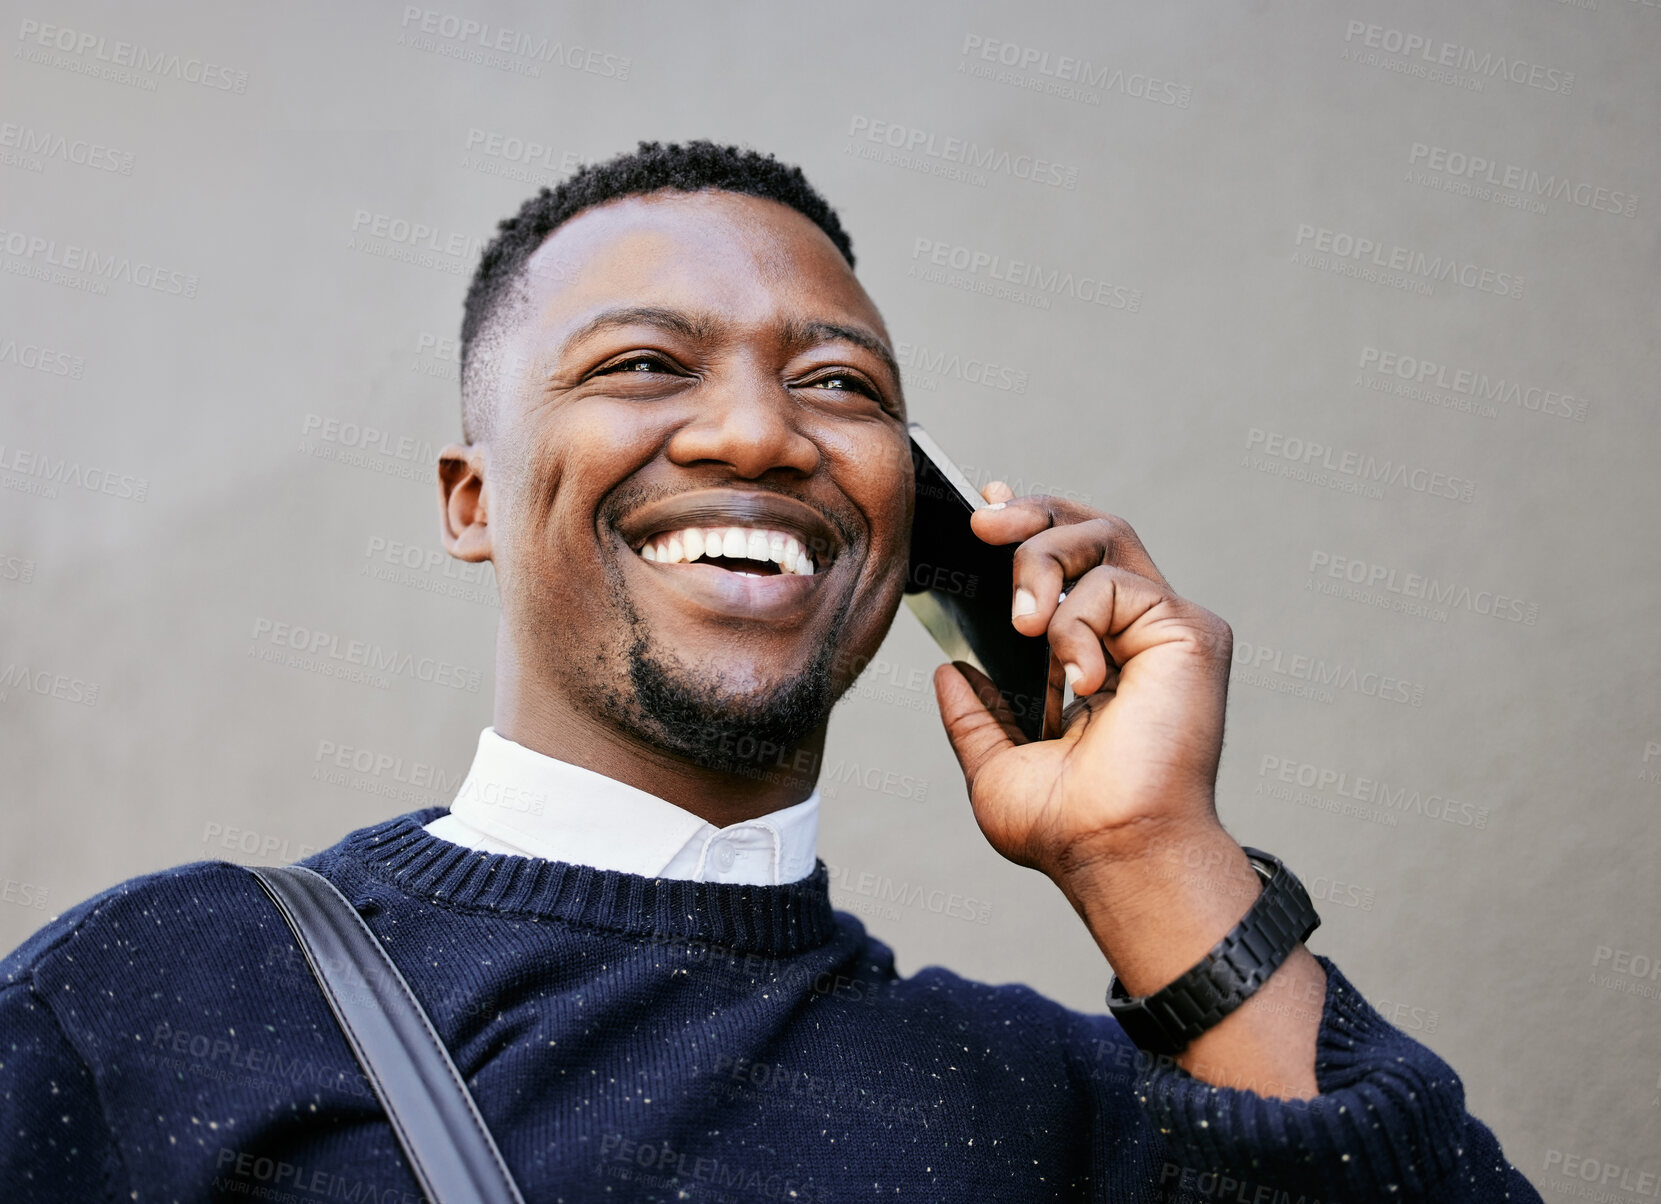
x=734 y=543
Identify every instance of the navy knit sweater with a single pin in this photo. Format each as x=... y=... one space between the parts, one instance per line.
x=632 y=1038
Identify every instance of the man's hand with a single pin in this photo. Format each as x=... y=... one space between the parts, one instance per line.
x=1119 y=810
x=1138 y=757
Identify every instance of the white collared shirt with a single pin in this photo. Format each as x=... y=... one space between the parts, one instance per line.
x=515 y=800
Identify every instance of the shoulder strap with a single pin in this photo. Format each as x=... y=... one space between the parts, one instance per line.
x=444 y=1137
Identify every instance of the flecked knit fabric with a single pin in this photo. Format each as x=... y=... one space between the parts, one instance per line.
x=632 y=1038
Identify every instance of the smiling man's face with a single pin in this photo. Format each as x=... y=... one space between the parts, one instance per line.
x=697 y=491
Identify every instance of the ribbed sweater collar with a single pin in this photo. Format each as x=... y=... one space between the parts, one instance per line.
x=773 y=921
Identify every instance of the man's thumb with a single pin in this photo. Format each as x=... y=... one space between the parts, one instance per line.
x=978 y=720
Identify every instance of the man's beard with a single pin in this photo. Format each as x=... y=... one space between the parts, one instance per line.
x=687 y=712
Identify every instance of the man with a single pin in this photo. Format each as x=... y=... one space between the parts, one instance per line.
x=686 y=457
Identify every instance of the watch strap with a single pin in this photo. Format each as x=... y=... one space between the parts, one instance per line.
x=1168 y=1020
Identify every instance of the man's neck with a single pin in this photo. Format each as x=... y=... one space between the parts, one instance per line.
x=769 y=780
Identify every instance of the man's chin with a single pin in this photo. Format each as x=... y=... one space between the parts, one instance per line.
x=697 y=716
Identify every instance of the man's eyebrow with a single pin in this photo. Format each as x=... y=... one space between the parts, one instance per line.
x=801 y=334
x=677 y=321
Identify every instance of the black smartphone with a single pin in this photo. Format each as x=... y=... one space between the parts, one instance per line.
x=962 y=590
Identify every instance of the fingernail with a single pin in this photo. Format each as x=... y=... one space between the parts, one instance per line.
x=995 y=505
x=1073 y=673
x=1025 y=604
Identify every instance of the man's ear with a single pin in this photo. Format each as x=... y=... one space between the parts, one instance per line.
x=463 y=502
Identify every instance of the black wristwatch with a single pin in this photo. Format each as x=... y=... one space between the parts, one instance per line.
x=1282 y=917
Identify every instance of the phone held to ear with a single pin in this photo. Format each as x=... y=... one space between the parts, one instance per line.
x=962 y=590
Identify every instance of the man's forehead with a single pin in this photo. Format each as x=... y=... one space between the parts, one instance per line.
x=733 y=253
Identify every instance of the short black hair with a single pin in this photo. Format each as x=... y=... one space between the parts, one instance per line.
x=692 y=167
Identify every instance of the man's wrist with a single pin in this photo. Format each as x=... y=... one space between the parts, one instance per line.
x=1157 y=905
x=1231 y=972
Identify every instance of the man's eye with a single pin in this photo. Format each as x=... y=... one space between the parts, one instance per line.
x=635 y=363
x=843 y=380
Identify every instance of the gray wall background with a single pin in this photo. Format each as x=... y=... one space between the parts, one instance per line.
x=228 y=419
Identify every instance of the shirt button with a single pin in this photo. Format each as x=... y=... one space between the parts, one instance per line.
x=723 y=857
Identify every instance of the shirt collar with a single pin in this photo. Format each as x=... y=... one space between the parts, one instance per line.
x=540 y=806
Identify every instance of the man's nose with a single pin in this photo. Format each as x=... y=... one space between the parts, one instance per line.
x=751 y=423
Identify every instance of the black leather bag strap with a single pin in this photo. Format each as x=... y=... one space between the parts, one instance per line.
x=444 y=1137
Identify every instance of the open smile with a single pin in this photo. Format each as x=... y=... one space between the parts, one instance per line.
x=757 y=551
x=762 y=555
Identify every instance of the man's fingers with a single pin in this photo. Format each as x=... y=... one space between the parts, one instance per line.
x=997 y=491
x=1049 y=559
x=1114 y=612
x=979 y=724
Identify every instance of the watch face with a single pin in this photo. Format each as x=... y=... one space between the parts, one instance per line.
x=1263 y=863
